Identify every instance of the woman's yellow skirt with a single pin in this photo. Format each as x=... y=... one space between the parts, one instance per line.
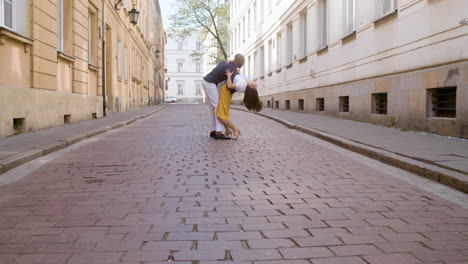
x=224 y=104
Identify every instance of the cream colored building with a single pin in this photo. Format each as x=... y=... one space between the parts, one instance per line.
x=52 y=70
x=390 y=62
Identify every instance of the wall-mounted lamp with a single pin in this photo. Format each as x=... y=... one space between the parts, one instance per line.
x=157 y=53
x=133 y=14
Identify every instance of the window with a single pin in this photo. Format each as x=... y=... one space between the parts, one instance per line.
x=262 y=10
x=119 y=60
x=254 y=20
x=180 y=64
x=270 y=56
x=198 y=88
x=199 y=46
x=289 y=48
x=269 y=104
x=303 y=35
x=255 y=66
x=322 y=24
x=60 y=31
x=92 y=36
x=442 y=102
x=180 y=88
x=198 y=67
x=320 y=104
x=180 y=45
x=379 y=103
x=344 y=104
x=278 y=51
x=269 y=5
x=382 y=8
x=64 y=26
x=348 y=15
x=126 y=63
x=276 y=104
x=262 y=61
x=243 y=29
x=300 y=104
x=7 y=11
x=249 y=67
x=248 y=22
x=287 y=104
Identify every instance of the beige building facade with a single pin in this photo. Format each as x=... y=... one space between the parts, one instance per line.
x=401 y=63
x=52 y=61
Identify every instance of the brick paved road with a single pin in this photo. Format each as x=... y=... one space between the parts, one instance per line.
x=162 y=191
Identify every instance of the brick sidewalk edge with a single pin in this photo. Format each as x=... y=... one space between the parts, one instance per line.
x=432 y=172
x=28 y=155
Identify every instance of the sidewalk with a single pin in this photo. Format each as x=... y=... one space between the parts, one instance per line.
x=17 y=150
x=442 y=159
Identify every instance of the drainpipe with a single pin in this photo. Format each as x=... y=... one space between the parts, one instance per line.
x=103 y=30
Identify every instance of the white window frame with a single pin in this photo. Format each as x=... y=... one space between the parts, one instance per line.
x=180 y=45
x=198 y=66
x=248 y=22
x=243 y=29
x=348 y=7
x=322 y=31
x=378 y=9
x=13 y=15
x=180 y=88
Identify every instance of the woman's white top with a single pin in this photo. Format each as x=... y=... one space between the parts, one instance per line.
x=241 y=83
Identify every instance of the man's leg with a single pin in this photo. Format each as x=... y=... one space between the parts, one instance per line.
x=212 y=98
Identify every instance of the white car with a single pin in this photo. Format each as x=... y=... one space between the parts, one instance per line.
x=170 y=99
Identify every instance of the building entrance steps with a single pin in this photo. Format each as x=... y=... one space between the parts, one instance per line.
x=440 y=158
x=17 y=150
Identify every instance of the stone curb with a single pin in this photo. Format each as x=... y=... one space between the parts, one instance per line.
x=432 y=172
x=34 y=153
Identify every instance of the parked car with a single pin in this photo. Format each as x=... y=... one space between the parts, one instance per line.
x=170 y=99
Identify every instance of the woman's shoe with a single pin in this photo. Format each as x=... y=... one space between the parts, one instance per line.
x=236 y=134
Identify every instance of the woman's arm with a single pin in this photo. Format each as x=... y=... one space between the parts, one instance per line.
x=229 y=83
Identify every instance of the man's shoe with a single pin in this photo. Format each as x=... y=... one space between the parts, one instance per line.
x=221 y=136
x=212 y=134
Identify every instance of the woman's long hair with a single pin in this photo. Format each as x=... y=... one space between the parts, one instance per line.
x=251 y=100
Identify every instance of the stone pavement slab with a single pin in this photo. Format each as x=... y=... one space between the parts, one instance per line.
x=22 y=148
x=162 y=191
x=443 y=159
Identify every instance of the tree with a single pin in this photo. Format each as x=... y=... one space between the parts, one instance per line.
x=209 y=16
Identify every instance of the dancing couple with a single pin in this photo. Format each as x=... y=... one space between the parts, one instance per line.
x=219 y=101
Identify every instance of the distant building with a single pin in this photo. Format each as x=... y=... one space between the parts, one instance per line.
x=52 y=70
x=400 y=63
x=184 y=71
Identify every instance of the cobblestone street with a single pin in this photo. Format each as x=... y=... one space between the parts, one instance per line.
x=162 y=191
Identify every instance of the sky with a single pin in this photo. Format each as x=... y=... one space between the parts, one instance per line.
x=166 y=11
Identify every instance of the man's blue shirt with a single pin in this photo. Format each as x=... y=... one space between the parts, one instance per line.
x=218 y=74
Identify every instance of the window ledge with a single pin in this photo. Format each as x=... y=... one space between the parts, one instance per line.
x=7 y=33
x=289 y=65
x=64 y=56
x=278 y=70
x=270 y=73
x=303 y=59
x=93 y=67
x=262 y=77
x=442 y=118
x=322 y=49
x=346 y=37
x=385 y=16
